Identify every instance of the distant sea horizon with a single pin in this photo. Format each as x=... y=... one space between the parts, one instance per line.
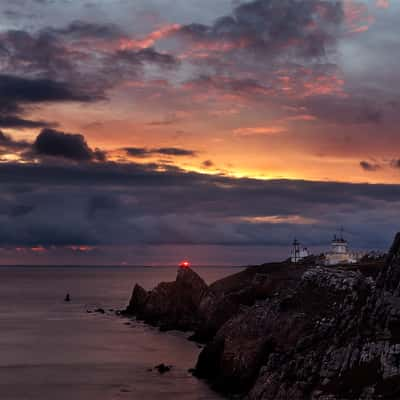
x=65 y=350
x=114 y=266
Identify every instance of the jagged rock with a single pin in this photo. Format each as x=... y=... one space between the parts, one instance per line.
x=333 y=336
x=172 y=305
x=137 y=301
x=224 y=299
x=162 y=368
x=275 y=336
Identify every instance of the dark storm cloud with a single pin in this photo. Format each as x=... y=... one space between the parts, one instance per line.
x=120 y=204
x=17 y=94
x=70 y=146
x=42 y=53
x=287 y=50
x=138 y=152
x=49 y=145
x=65 y=198
x=139 y=57
x=207 y=164
x=173 y=151
x=57 y=55
x=271 y=27
x=89 y=30
x=101 y=204
x=7 y=142
x=370 y=167
x=16 y=90
x=10 y=121
x=166 y=151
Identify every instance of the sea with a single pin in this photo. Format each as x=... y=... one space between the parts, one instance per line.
x=53 y=350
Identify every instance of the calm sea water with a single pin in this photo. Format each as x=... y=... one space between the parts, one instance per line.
x=55 y=350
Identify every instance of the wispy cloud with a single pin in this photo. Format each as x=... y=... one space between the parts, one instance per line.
x=259 y=130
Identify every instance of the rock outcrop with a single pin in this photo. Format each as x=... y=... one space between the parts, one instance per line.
x=282 y=331
x=334 y=335
x=224 y=298
x=171 y=305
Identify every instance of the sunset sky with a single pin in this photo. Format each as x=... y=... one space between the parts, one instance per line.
x=147 y=131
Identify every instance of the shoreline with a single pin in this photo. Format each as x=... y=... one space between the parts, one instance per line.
x=284 y=330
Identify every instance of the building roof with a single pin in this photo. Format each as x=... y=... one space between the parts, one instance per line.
x=339 y=240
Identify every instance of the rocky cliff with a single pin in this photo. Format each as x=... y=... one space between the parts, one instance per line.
x=283 y=331
x=335 y=336
x=225 y=298
x=171 y=305
x=189 y=304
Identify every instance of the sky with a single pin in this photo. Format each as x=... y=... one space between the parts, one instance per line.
x=143 y=132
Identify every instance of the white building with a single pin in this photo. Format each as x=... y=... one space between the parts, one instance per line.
x=340 y=253
x=298 y=252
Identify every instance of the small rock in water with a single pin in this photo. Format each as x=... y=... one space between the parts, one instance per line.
x=162 y=368
x=100 y=310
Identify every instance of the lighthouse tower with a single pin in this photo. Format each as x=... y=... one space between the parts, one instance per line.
x=339 y=244
x=298 y=252
x=340 y=253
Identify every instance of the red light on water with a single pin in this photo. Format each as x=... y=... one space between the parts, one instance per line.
x=185 y=264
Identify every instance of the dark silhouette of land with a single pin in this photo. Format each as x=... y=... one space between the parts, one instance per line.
x=283 y=330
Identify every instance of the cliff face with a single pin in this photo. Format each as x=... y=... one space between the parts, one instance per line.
x=171 y=305
x=336 y=335
x=225 y=298
x=189 y=304
x=282 y=344
x=282 y=331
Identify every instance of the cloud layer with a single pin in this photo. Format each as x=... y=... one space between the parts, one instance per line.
x=106 y=111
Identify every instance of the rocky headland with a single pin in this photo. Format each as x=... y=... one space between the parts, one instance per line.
x=171 y=305
x=283 y=331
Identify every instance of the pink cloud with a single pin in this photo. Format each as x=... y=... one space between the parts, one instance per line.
x=150 y=39
x=259 y=130
x=383 y=3
x=357 y=16
x=302 y=117
x=305 y=82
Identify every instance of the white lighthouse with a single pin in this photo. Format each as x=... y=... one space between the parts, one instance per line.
x=340 y=253
x=298 y=252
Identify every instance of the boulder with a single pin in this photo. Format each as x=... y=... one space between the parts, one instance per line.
x=163 y=368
